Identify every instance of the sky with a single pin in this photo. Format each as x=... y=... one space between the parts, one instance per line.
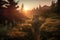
x=34 y=3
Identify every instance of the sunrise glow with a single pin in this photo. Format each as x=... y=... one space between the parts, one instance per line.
x=26 y=8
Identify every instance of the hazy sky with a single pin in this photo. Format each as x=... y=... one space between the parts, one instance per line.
x=34 y=3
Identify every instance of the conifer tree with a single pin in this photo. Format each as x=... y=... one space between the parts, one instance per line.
x=53 y=6
x=58 y=6
x=22 y=7
x=2 y=2
x=11 y=11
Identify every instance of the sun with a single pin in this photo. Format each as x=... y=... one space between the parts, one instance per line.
x=26 y=8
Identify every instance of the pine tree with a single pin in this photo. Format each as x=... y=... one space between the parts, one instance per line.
x=12 y=7
x=22 y=7
x=2 y=2
x=12 y=11
x=53 y=6
x=57 y=9
x=58 y=6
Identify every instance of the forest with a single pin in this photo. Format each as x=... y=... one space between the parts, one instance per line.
x=42 y=22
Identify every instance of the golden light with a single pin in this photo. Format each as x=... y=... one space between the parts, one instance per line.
x=26 y=8
x=25 y=11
